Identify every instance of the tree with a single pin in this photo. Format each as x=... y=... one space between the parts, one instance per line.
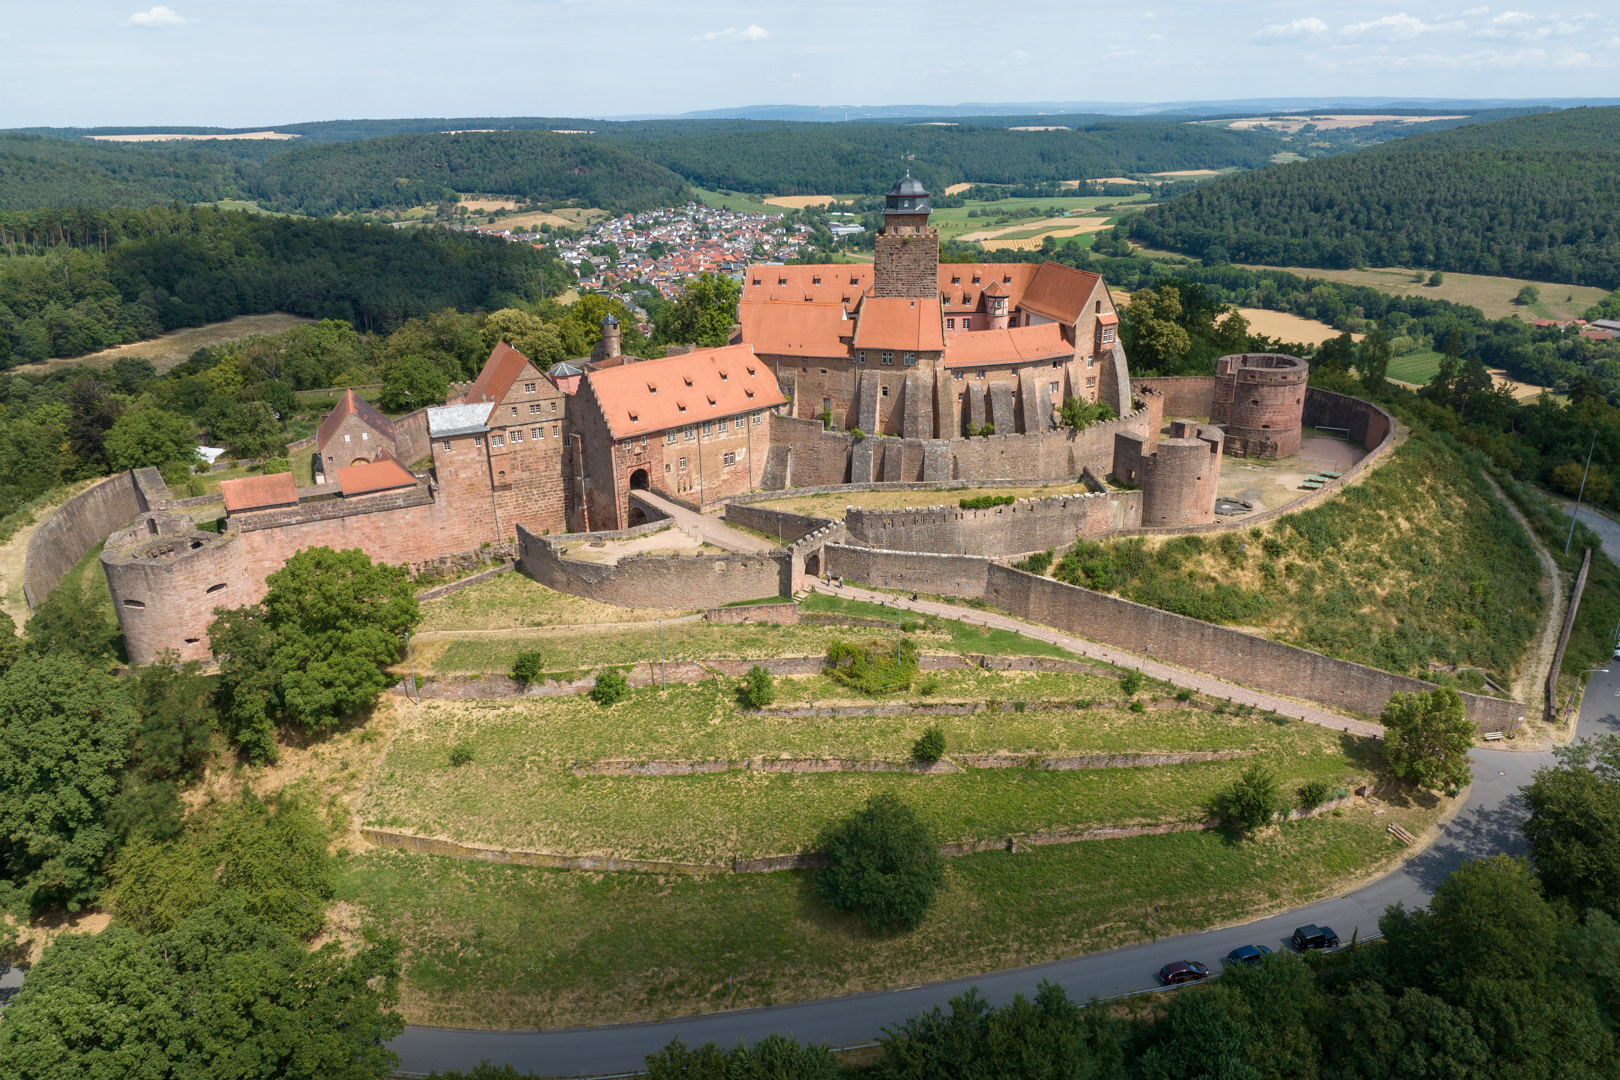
x=775 y=1057
x=1048 y=1037
x=72 y=622
x=930 y=745
x=611 y=687
x=1528 y=295
x=412 y=382
x=528 y=666
x=248 y=429
x=758 y=689
x=1078 y=413
x=528 y=334
x=150 y=437
x=1427 y=737
x=176 y=709
x=883 y=864
x=314 y=649
x=268 y=858
x=1574 y=824
x=91 y=412
x=222 y=994
x=1251 y=800
x=1153 y=335
x=65 y=734
x=1335 y=354
x=702 y=315
x=1437 y=279
x=1372 y=361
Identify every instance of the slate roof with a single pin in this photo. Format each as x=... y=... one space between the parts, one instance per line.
x=446 y=420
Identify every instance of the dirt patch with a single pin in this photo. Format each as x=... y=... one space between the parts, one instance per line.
x=44 y=929
x=1530 y=679
x=14 y=555
x=173 y=349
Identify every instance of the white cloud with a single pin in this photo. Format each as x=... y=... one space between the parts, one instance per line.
x=1020 y=55
x=158 y=16
x=1155 y=37
x=1297 y=30
x=1402 y=27
x=731 y=33
x=1478 y=11
x=1512 y=17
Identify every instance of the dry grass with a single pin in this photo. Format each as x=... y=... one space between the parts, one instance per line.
x=1291 y=124
x=166 y=137
x=835 y=505
x=173 y=349
x=1190 y=172
x=799 y=202
x=515 y=600
x=1492 y=295
x=1292 y=328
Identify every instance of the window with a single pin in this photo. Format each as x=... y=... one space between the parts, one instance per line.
x=517 y=435
x=1108 y=334
x=537 y=433
x=909 y=359
x=978 y=374
x=553 y=406
x=956 y=279
x=644 y=442
x=683 y=463
x=1099 y=307
x=514 y=410
x=956 y=376
x=758 y=417
x=950 y=324
x=1052 y=388
x=554 y=431
x=888 y=358
x=345 y=438
x=365 y=436
x=689 y=434
x=446 y=446
x=860 y=356
x=884 y=390
x=737 y=424
x=708 y=429
x=528 y=388
x=730 y=458
x=975 y=279
x=670 y=438
x=1091 y=382
x=497 y=440
x=478 y=440
x=535 y=409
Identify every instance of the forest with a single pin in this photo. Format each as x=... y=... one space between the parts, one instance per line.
x=36 y=171
x=1535 y=197
x=72 y=282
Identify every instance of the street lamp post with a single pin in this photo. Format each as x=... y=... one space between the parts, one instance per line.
x=1569 y=704
x=1582 y=493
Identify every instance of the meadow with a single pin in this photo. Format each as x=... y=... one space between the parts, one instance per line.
x=1492 y=295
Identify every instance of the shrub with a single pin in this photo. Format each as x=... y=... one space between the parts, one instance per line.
x=984 y=502
x=1138 y=706
x=1132 y=683
x=883 y=864
x=758 y=688
x=611 y=688
x=461 y=754
x=1184 y=694
x=1312 y=793
x=1037 y=563
x=872 y=666
x=928 y=687
x=930 y=745
x=526 y=668
x=1251 y=799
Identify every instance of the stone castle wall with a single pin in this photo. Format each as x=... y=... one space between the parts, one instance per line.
x=1026 y=525
x=1228 y=654
x=1192 y=395
x=81 y=523
x=681 y=581
x=166 y=579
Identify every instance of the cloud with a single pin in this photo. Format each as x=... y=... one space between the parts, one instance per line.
x=1402 y=27
x=731 y=33
x=1297 y=30
x=1512 y=17
x=1020 y=55
x=158 y=16
x=1478 y=11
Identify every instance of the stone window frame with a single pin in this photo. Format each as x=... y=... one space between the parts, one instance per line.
x=497 y=439
x=1108 y=335
x=554 y=433
x=538 y=433
x=708 y=429
x=730 y=458
x=478 y=441
x=535 y=409
x=683 y=464
x=883 y=391
x=888 y=358
x=950 y=324
x=908 y=359
x=738 y=423
x=759 y=418
x=689 y=433
x=528 y=387
x=515 y=436
x=860 y=356
x=671 y=437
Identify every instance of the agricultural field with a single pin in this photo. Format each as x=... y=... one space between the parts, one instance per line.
x=167 y=351
x=741 y=204
x=836 y=504
x=1491 y=295
x=1419 y=562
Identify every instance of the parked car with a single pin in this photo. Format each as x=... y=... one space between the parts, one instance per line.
x=1315 y=937
x=1248 y=954
x=1183 y=971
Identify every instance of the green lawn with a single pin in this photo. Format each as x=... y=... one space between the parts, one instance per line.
x=506 y=946
x=1415 y=367
x=741 y=204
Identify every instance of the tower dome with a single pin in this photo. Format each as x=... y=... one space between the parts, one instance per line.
x=907 y=198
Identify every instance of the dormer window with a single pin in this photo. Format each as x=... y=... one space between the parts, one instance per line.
x=956 y=279
x=722 y=376
x=1006 y=279
x=748 y=392
x=652 y=388
x=681 y=405
x=757 y=281
x=687 y=379
x=853 y=280
x=750 y=372
x=816 y=280
x=710 y=397
x=781 y=281
x=634 y=419
x=975 y=279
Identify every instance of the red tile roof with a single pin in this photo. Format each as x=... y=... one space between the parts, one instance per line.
x=796 y=329
x=500 y=371
x=1059 y=292
x=894 y=322
x=352 y=404
x=259 y=492
x=1020 y=344
x=380 y=475
x=655 y=395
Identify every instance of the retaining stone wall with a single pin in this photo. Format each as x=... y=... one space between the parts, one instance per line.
x=81 y=523
x=682 y=581
x=783 y=614
x=1192 y=395
x=1025 y=525
x=788 y=527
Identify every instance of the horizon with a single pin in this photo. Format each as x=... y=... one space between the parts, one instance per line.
x=201 y=63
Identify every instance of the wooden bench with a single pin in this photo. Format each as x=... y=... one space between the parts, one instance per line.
x=1493 y=736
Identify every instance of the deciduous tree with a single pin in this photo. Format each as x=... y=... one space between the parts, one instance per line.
x=884 y=864
x=1427 y=737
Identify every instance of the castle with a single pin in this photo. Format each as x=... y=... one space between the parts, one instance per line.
x=908 y=370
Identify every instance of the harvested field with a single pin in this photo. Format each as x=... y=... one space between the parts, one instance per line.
x=952 y=189
x=1492 y=295
x=1281 y=324
x=1291 y=124
x=1055 y=226
x=1184 y=173
x=1110 y=180
x=799 y=202
x=487 y=205
x=173 y=349
x=564 y=217
x=166 y=137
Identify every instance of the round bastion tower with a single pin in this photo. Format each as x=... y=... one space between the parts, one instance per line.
x=1260 y=398
x=167 y=577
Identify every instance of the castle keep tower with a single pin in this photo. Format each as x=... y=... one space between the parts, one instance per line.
x=905 y=255
x=1260 y=397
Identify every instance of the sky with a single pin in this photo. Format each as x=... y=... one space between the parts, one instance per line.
x=240 y=63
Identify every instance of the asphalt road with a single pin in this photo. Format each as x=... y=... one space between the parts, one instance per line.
x=1488 y=823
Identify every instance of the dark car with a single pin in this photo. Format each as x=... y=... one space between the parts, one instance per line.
x=1248 y=954
x=1183 y=971
x=1315 y=937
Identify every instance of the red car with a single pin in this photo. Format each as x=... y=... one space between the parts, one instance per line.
x=1183 y=971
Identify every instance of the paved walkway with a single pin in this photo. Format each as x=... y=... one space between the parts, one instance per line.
x=1204 y=684
x=711 y=529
